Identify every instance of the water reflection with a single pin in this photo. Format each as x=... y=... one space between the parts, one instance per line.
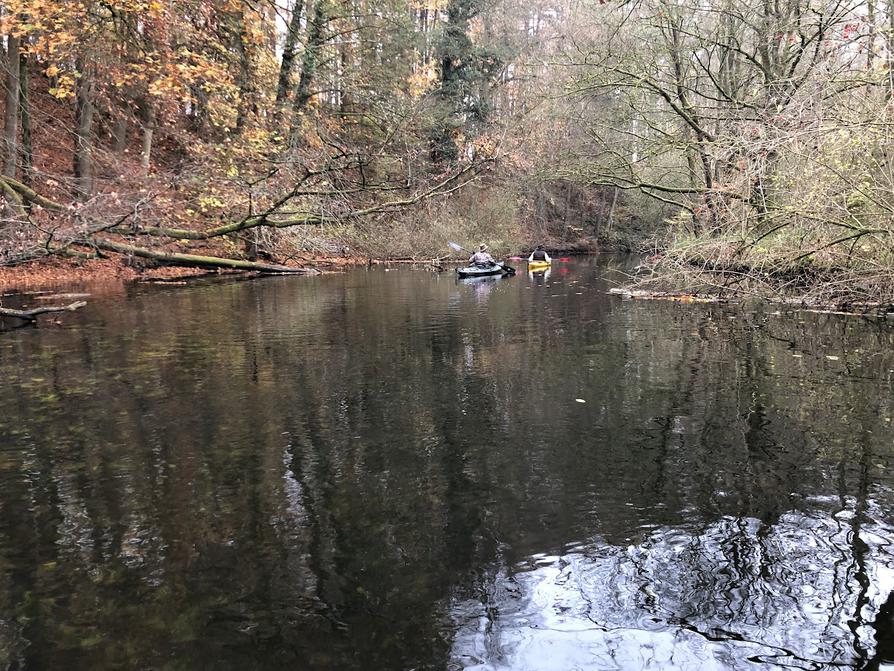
x=540 y=277
x=392 y=470
x=731 y=595
x=480 y=287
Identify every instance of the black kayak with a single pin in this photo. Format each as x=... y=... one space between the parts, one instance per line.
x=473 y=271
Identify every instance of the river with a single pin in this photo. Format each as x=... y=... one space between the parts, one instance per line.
x=391 y=469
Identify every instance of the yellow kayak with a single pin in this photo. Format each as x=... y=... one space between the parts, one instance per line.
x=538 y=265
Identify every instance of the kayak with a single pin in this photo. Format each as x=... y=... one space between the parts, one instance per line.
x=472 y=271
x=538 y=265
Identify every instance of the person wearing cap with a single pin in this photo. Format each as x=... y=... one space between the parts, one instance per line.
x=481 y=259
x=539 y=255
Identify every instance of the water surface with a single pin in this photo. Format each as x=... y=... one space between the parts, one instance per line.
x=393 y=470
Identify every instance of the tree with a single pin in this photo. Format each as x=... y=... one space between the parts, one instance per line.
x=463 y=70
x=84 y=107
x=202 y=82
x=13 y=110
x=289 y=51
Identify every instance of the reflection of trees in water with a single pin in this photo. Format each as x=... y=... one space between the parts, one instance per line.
x=735 y=592
x=782 y=579
x=293 y=485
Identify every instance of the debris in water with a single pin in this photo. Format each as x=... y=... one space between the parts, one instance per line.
x=660 y=295
x=53 y=297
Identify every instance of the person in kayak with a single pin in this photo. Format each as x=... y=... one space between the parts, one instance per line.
x=481 y=259
x=540 y=255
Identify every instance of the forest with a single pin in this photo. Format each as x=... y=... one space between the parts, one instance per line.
x=742 y=146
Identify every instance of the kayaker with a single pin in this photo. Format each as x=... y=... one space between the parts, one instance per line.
x=481 y=259
x=539 y=255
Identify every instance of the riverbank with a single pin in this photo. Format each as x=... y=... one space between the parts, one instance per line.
x=57 y=271
x=811 y=270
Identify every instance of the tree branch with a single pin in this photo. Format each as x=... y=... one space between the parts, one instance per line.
x=31 y=315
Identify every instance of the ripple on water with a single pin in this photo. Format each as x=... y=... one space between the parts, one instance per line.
x=734 y=594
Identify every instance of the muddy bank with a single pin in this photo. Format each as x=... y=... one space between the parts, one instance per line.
x=54 y=272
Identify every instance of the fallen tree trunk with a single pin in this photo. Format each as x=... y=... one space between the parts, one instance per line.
x=277 y=215
x=267 y=219
x=197 y=261
x=31 y=315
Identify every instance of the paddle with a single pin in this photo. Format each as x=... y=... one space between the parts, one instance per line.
x=458 y=248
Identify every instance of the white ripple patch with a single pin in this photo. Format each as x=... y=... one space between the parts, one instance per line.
x=739 y=595
x=551 y=629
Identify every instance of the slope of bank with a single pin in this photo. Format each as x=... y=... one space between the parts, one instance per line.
x=810 y=269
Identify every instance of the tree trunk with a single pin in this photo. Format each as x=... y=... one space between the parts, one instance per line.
x=199 y=116
x=251 y=245
x=247 y=95
x=611 y=211
x=308 y=66
x=870 y=19
x=31 y=315
x=119 y=132
x=694 y=120
x=341 y=88
x=195 y=261
x=11 y=127
x=25 y=104
x=891 y=48
x=288 y=56
x=457 y=75
x=149 y=124
x=83 y=154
